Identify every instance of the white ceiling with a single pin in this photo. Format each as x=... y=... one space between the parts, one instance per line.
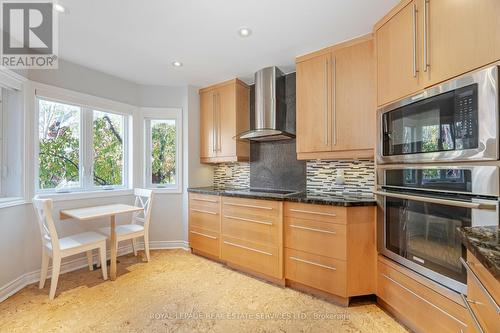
x=137 y=40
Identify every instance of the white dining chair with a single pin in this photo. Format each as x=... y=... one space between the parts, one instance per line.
x=58 y=248
x=139 y=227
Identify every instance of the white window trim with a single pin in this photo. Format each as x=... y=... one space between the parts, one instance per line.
x=149 y=114
x=85 y=102
x=13 y=81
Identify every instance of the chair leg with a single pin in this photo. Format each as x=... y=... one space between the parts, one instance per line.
x=134 y=246
x=102 y=255
x=56 y=268
x=45 y=268
x=146 y=246
x=90 y=260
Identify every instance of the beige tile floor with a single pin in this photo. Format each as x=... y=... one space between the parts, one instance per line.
x=180 y=292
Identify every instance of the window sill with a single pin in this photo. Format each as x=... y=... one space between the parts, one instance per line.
x=86 y=194
x=11 y=202
x=157 y=190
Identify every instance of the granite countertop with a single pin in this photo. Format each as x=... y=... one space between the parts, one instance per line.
x=484 y=243
x=346 y=200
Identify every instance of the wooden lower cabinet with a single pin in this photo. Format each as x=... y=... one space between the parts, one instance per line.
x=204 y=224
x=331 y=249
x=420 y=304
x=252 y=235
x=483 y=296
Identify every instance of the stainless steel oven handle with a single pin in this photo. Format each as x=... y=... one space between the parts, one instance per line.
x=455 y=203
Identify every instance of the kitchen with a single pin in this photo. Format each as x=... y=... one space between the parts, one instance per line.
x=354 y=190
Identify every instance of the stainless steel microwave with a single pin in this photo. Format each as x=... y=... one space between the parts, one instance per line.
x=454 y=121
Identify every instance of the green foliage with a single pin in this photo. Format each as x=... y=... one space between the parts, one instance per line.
x=58 y=158
x=108 y=152
x=163 y=136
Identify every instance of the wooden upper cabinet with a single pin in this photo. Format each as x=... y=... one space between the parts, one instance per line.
x=354 y=102
x=421 y=43
x=314 y=112
x=207 y=126
x=398 y=55
x=336 y=102
x=461 y=36
x=224 y=113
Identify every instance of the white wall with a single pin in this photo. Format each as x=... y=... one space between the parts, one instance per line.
x=19 y=235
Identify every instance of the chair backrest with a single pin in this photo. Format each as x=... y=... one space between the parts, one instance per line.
x=43 y=212
x=143 y=199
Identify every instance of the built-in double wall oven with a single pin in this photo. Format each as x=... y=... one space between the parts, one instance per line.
x=421 y=209
x=437 y=171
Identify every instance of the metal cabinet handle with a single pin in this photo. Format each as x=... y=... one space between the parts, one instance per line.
x=455 y=203
x=248 y=248
x=313 y=229
x=472 y=314
x=204 y=235
x=247 y=206
x=325 y=107
x=206 y=200
x=311 y=212
x=426 y=35
x=423 y=299
x=203 y=211
x=313 y=263
x=483 y=288
x=334 y=102
x=246 y=220
x=415 y=69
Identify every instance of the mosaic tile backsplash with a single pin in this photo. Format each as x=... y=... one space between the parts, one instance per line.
x=232 y=175
x=359 y=176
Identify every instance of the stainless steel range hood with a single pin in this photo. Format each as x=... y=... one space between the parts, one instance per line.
x=268 y=119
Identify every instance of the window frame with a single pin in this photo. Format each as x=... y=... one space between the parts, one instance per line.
x=150 y=114
x=86 y=161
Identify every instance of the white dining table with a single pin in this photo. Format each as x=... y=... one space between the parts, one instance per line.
x=95 y=212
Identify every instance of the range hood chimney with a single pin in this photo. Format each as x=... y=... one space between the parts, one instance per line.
x=268 y=120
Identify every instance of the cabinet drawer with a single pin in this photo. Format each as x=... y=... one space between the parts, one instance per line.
x=204 y=219
x=256 y=257
x=319 y=272
x=321 y=238
x=204 y=201
x=487 y=279
x=205 y=241
x=423 y=309
x=482 y=304
x=323 y=213
x=262 y=230
x=267 y=210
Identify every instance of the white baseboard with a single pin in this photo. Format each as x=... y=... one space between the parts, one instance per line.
x=22 y=281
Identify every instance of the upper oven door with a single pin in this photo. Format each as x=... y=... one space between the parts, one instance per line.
x=457 y=120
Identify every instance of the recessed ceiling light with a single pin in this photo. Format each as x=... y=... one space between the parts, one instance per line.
x=177 y=64
x=244 y=32
x=59 y=8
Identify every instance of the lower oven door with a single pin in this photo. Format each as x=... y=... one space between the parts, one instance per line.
x=421 y=233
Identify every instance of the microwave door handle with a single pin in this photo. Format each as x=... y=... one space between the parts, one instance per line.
x=455 y=203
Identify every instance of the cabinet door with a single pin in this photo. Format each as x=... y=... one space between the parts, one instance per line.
x=354 y=97
x=225 y=119
x=397 y=55
x=461 y=36
x=314 y=121
x=207 y=129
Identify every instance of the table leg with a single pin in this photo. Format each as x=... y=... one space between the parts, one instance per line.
x=112 y=268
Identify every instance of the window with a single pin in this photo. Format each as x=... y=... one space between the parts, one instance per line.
x=80 y=148
x=162 y=153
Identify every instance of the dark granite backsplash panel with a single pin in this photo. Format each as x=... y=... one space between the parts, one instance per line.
x=274 y=164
